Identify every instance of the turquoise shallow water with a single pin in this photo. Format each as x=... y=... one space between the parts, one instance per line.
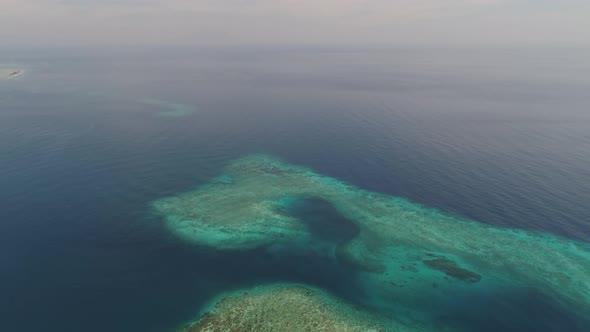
x=496 y=136
x=411 y=263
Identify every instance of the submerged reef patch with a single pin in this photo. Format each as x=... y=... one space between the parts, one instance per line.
x=399 y=248
x=289 y=307
x=170 y=109
x=451 y=269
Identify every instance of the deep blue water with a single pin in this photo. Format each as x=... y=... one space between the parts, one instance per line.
x=501 y=136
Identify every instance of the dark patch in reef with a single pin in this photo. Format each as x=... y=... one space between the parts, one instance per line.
x=326 y=224
x=450 y=268
x=322 y=219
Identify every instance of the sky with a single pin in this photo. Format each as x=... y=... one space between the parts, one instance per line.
x=323 y=22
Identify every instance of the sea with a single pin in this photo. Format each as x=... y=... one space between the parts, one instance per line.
x=89 y=137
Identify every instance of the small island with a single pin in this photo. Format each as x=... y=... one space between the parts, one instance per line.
x=15 y=73
x=10 y=73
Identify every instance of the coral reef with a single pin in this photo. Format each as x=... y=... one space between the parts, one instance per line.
x=401 y=248
x=170 y=109
x=289 y=307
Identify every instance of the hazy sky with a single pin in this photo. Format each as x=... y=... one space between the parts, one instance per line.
x=188 y=22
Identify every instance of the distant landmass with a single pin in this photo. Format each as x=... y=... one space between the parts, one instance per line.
x=8 y=73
